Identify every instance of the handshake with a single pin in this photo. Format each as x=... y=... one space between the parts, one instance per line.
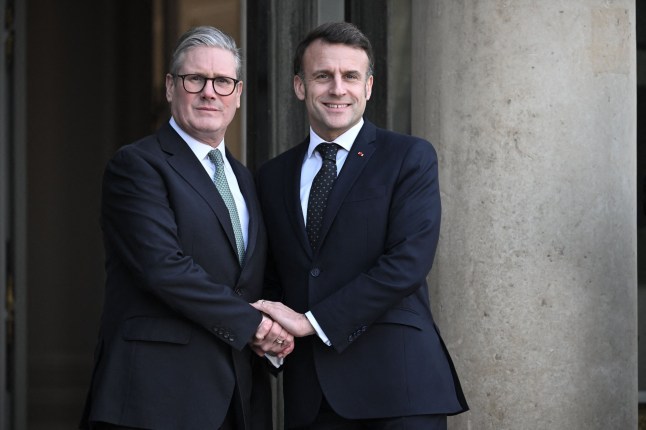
x=278 y=328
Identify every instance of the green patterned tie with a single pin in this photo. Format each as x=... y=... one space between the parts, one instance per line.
x=220 y=181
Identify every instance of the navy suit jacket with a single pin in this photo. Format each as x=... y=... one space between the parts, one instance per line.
x=365 y=285
x=176 y=319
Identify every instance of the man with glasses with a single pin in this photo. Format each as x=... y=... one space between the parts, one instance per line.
x=185 y=247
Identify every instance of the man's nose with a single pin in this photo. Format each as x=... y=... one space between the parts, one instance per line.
x=208 y=91
x=338 y=85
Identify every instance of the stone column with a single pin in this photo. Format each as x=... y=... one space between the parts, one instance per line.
x=532 y=108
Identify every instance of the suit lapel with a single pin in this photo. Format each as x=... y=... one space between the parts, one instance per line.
x=292 y=195
x=358 y=157
x=184 y=162
x=247 y=189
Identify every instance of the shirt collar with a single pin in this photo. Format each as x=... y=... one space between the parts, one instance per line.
x=345 y=141
x=201 y=150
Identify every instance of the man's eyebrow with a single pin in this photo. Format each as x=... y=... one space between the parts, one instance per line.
x=329 y=72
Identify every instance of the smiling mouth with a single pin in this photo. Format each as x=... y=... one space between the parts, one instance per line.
x=336 y=106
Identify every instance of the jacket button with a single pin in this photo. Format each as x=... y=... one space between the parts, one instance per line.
x=315 y=272
x=239 y=291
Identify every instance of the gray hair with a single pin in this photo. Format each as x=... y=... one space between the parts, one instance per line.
x=205 y=36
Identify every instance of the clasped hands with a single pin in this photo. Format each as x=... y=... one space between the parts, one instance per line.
x=279 y=325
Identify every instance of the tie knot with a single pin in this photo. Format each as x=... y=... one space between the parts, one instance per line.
x=328 y=150
x=216 y=157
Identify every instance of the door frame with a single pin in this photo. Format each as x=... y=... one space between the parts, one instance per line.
x=13 y=217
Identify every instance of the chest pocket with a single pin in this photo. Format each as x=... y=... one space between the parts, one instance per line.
x=360 y=194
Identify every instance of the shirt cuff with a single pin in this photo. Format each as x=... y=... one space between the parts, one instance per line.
x=275 y=361
x=317 y=327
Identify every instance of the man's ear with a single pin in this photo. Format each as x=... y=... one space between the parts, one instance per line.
x=170 y=83
x=368 y=87
x=299 y=87
x=238 y=92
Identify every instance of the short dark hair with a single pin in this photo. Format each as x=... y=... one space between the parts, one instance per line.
x=335 y=32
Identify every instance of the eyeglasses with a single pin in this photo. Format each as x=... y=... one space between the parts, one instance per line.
x=194 y=84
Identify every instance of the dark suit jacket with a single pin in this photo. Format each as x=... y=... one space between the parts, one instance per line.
x=366 y=285
x=176 y=320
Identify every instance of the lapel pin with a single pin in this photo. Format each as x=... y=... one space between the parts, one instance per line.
x=360 y=154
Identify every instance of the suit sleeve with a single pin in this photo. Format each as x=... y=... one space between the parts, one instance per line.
x=141 y=233
x=411 y=236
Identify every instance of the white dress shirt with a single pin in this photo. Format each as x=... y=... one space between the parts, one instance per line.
x=313 y=160
x=201 y=151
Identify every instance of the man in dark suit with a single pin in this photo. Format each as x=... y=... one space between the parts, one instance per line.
x=354 y=212
x=186 y=248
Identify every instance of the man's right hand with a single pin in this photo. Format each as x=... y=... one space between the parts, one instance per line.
x=272 y=338
x=296 y=323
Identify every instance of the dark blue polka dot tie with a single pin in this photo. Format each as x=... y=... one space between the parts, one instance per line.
x=321 y=186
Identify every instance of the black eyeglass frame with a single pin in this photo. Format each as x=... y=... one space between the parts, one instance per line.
x=235 y=83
